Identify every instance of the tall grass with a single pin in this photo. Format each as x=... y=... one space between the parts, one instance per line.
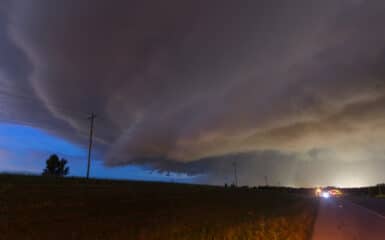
x=44 y=208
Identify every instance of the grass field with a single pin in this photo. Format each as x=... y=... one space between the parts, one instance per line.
x=43 y=208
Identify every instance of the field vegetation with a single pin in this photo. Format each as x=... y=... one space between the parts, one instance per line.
x=63 y=208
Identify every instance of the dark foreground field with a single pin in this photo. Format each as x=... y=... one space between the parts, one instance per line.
x=41 y=208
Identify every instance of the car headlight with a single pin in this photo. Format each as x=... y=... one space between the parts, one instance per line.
x=325 y=194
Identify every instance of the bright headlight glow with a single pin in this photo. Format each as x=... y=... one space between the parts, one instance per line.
x=325 y=195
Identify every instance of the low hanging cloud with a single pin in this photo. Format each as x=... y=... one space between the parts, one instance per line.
x=189 y=86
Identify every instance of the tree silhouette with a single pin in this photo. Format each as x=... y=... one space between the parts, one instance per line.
x=56 y=167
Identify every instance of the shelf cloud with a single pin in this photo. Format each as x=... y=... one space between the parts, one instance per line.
x=191 y=86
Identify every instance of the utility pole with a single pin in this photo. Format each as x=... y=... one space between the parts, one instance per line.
x=91 y=118
x=235 y=174
x=266 y=182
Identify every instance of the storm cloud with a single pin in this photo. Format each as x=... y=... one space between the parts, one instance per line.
x=191 y=86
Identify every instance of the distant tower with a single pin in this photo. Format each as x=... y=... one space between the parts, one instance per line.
x=235 y=173
x=266 y=182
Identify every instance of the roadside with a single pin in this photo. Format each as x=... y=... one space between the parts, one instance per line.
x=372 y=203
x=339 y=219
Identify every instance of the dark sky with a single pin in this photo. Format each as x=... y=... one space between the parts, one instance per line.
x=292 y=90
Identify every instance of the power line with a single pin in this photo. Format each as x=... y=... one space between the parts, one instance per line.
x=30 y=99
x=64 y=108
x=42 y=106
x=48 y=124
x=105 y=124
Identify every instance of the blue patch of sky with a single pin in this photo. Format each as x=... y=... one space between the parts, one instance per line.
x=24 y=149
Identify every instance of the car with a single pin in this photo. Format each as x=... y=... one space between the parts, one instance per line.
x=328 y=192
x=335 y=192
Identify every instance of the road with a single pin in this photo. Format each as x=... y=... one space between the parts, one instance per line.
x=376 y=204
x=340 y=219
